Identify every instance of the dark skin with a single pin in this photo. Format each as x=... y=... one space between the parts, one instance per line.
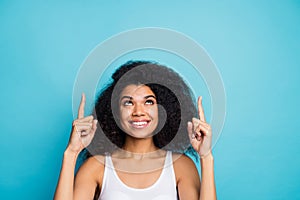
x=90 y=174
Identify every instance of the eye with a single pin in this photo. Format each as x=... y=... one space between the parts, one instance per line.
x=149 y=102
x=127 y=103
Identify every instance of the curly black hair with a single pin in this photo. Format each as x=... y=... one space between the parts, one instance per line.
x=172 y=94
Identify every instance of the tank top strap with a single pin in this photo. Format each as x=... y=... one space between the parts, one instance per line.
x=108 y=161
x=168 y=160
x=163 y=189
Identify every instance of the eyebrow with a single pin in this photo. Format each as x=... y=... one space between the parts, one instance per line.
x=149 y=96
x=146 y=97
x=126 y=97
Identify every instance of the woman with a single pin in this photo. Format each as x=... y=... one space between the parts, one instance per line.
x=146 y=122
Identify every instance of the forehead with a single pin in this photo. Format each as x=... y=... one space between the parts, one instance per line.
x=136 y=90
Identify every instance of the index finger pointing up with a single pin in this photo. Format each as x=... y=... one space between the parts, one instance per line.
x=200 y=110
x=81 y=107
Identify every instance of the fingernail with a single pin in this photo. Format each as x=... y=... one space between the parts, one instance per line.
x=193 y=136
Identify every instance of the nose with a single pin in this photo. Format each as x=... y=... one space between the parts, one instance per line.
x=138 y=110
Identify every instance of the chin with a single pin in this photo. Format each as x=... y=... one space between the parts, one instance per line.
x=140 y=134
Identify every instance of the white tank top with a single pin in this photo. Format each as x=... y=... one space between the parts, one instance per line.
x=163 y=189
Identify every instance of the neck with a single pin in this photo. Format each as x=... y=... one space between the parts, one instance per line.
x=139 y=145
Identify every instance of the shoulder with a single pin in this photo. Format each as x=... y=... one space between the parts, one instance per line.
x=181 y=160
x=89 y=178
x=187 y=177
x=94 y=163
x=184 y=167
x=92 y=169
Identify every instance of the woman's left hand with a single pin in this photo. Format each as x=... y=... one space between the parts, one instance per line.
x=200 y=132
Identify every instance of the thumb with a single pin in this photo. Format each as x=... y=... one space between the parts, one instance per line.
x=94 y=126
x=190 y=129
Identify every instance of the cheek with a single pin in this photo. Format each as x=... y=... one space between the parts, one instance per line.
x=124 y=113
x=123 y=118
x=154 y=113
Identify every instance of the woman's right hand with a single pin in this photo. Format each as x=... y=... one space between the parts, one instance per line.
x=83 y=130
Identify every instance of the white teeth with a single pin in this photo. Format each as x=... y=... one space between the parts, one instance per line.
x=139 y=123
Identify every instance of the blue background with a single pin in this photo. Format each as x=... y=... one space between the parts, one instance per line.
x=255 y=45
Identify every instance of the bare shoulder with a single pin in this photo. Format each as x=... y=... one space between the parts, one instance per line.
x=184 y=167
x=93 y=163
x=181 y=160
x=93 y=169
x=89 y=178
x=187 y=177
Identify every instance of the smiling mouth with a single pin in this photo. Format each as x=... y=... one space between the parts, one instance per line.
x=139 y=124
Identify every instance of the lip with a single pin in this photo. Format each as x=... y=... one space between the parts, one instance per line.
x=139 y=124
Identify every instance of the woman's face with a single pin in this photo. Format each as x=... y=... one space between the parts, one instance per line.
x=138 y=111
